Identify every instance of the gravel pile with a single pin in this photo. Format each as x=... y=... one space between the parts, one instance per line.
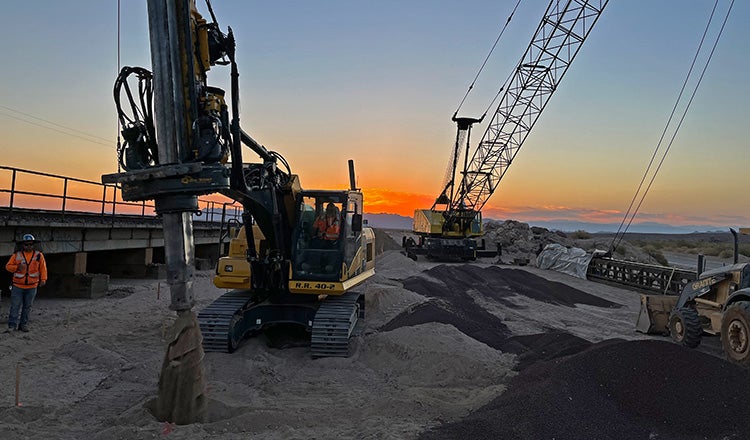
x=569 y=388
x=617 y=390
x=451 y=292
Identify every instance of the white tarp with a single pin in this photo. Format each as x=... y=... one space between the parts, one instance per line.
x=572 y=261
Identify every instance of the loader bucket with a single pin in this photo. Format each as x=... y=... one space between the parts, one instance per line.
x=653 y=317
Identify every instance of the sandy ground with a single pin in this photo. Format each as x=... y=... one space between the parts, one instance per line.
x=89 y=368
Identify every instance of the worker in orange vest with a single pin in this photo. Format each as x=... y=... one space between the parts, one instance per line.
x=327 y=227
x=29 y=272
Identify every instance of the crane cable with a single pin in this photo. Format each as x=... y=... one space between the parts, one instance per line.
x=481 y=68
x=619 y=235
x=449 y=171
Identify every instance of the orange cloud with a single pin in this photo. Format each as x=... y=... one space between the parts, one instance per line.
x=552 y=212
x=383 y=200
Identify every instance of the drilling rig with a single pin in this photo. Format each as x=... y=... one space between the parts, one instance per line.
x=450 y=228
x=191 y=145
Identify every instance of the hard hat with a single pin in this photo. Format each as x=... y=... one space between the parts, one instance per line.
x=28 y=237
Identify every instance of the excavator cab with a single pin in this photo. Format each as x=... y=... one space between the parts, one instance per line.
x=318 y=245
x=327 y=242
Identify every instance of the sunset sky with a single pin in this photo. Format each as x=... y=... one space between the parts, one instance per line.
x=378 y=81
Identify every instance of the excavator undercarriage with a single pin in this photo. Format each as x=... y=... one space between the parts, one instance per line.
x=311 y=289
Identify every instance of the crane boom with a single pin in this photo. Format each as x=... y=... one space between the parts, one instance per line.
x=557 y=40
x=447 y=230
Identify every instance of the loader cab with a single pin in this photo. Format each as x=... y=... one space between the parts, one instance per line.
x=327 y=235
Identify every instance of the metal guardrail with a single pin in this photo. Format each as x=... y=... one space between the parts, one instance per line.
x=110 y=204
x=661 y=279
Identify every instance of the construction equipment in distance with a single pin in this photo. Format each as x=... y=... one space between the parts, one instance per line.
x=450 y=228
x=717 y=303
x=286 y=275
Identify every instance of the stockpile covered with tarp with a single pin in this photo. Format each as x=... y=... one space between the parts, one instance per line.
x=572 y=261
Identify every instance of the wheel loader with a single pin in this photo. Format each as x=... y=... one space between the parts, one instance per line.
x=717 y=303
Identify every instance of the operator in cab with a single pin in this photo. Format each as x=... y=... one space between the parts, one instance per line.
x=326 y=227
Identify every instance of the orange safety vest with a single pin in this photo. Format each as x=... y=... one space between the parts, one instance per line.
x=35 y=270
x=328 y=231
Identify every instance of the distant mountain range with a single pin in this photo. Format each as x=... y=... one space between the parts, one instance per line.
x=395 y=221
x=389 y=221
x=642 y=228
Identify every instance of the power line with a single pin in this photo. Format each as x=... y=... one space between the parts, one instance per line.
x=481 y=68
x=62 y=128
x=619 y=235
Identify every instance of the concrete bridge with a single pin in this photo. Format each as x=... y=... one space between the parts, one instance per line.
x=115 y=239
x=84 y=250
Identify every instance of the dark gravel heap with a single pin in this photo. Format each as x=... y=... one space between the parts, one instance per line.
x=450 y=303
x=617 y=390
x=525 y=283
x=543 y=347
x=570 y=389
x=500 y=283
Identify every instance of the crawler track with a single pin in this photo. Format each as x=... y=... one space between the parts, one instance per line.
x=334 y=324
x=216 y=320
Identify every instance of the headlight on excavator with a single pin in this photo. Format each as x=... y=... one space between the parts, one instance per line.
x=228 y=268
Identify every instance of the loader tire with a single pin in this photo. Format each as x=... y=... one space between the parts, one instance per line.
x=735 y=332
x=685 y=327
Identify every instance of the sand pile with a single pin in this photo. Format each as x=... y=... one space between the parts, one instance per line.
x=440 y=346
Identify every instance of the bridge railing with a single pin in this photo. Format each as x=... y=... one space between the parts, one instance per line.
x=27 y=189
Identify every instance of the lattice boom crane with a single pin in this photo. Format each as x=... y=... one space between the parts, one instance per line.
x=564 y=27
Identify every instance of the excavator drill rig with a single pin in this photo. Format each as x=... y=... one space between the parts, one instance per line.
x=305 y=280
x=451 y=227
x=181 y=150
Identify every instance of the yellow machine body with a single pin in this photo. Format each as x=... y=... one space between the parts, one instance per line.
x=233 y=271
x=430 y=222
x=653 y=317
x=363 y=267
x=718 y=285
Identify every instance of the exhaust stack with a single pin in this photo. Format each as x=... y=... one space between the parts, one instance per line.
x=352 y=180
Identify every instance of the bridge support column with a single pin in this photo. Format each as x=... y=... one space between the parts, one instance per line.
x=206 y=256
x=69 y=277
x=70 y=263
x=125 y=263
x=133 y=263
